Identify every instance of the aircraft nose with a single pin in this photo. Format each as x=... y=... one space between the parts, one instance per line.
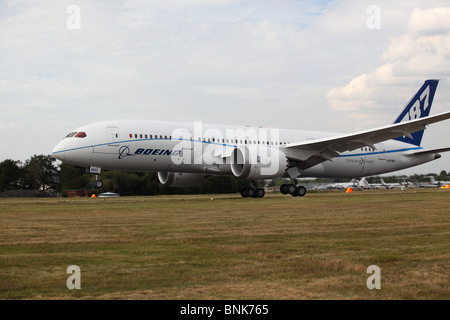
x=59 y=151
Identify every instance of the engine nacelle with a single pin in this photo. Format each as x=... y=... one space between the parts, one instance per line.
x=178 y=179
x=260 y=162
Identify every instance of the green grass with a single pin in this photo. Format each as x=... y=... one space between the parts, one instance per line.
x=192 y=247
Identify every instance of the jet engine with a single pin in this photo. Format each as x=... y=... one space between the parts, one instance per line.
x=178 y=179
x=258 y=162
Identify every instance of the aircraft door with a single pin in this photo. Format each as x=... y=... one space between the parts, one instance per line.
x=112 y=134
x=111 y=144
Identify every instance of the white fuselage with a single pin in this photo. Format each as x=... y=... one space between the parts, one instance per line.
x=157 y=146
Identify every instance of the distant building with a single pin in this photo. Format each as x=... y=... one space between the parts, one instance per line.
x=79 y=193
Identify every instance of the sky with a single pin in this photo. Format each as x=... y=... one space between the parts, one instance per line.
x=337 y=66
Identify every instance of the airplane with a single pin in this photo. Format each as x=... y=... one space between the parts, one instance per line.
x=338 y=185
x=438 y=183
x=424 y=185
x=185 y=154
x=364 y=184
x=391 y=185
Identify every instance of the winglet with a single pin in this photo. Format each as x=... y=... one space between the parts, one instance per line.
x=418 y=107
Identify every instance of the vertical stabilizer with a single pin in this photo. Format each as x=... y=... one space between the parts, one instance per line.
x=418 y=107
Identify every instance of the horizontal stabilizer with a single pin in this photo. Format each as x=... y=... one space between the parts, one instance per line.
x=424 y=152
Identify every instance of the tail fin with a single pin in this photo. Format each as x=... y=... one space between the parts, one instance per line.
x=418 y=107
x=363 y=183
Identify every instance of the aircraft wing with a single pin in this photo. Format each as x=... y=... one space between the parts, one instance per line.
x=315 y=151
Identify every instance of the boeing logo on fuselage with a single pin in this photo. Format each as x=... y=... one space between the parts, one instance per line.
x=125 y=152
x=157 y=152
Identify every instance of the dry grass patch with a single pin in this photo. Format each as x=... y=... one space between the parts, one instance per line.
x=191 y=247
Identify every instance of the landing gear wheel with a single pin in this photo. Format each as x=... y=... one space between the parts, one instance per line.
x=283 y=189
x=291 y=188
x=97 y=184
x=260 y=193
x=244 y=193
x=300 y=191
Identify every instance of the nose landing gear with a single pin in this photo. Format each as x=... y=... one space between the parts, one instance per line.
x=97 y=183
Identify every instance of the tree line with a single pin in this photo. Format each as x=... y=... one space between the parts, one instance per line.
x=41 y=172
x=37 y=173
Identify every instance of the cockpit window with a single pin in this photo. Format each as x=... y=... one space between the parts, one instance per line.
x=75 y=134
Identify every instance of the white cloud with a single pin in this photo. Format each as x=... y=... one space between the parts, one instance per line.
x=374 y=97
x=421 y=53
x=433 y=20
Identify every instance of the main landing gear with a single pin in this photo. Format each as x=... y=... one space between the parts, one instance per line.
x=252 y=192
x=292 y=189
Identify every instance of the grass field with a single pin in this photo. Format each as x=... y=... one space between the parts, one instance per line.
x=192 y=247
